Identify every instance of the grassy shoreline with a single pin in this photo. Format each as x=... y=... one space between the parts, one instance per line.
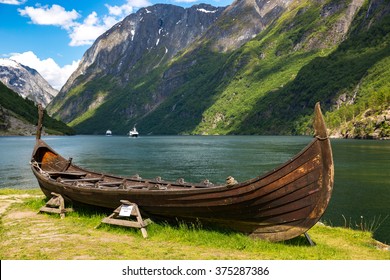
x=24 y=234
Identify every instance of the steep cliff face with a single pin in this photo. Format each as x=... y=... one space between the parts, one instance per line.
x=243 y=20
x=134 y=47
x=148 y=40
x=348 y=78
x=26 y=81
x=239 y=74
x=161 y=27
x=257 y=66
x=18 y=116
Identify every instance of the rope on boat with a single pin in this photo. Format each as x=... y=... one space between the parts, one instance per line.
x=322 y=138
x=36 y=166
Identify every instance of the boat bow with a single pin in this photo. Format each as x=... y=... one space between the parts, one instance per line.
x=276 y=206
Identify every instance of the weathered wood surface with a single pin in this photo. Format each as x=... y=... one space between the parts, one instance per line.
x=55 y=205
x=116 y=219
x=279 y=205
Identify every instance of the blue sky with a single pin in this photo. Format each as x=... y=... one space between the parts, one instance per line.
x=51 y=36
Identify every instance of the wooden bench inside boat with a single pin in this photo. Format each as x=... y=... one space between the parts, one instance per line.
x=114 y=183
x=136 y=187
x=66 y=180
x=66 y=174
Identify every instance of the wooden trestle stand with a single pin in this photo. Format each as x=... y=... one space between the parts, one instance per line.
x=123 y=214
x=56 y=205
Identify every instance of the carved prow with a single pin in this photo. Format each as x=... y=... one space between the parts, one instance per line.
x=319 y=123
x=40 y=122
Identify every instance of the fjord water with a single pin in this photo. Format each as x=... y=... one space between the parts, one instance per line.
x=362 y=182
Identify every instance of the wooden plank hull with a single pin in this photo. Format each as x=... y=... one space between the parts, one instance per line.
x=279 y=205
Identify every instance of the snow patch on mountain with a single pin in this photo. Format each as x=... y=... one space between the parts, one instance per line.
x=25 y=81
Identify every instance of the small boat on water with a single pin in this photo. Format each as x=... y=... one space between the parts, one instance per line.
x=279 y=205
x=108 y=133
x=133 y=132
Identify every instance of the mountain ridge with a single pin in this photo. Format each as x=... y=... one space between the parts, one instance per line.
x=265 y=83
x=19 y=116
x=25 y=81
x=145 y=31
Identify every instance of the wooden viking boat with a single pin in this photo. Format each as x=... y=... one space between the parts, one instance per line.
x=279 y=205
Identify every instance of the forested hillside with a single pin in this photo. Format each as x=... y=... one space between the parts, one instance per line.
x=237 y=79
x=19 y=116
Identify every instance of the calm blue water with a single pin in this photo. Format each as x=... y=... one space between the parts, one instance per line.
x=362 y=181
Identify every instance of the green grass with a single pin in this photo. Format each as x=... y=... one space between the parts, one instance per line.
x=356 y=68
x=7 y=191
x=24 y=234
x=373 y=94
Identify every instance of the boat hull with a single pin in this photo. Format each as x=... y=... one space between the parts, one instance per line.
x=276 y=206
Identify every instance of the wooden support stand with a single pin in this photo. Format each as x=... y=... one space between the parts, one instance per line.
x=56 y=205
x=309 y=239
x=122 y=217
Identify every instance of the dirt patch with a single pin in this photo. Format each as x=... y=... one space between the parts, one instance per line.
x=381 y=246
x=20 y=215
x=7 y=200
x=29 y=235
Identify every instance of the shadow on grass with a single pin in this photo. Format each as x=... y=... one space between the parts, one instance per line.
x=178 y=226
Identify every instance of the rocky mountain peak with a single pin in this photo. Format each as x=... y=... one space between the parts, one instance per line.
x=25 y=81
x=162 y=30
x=243 y=20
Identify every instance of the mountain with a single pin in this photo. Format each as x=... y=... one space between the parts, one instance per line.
x=258 y=67
x=129 y=51
x=19 y=116
x=26 y=81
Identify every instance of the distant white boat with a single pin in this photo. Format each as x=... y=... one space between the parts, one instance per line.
x=108 y=133
x=133 y=132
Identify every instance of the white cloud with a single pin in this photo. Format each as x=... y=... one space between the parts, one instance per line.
x=127 y=8
x=88 y=31
x=13 y=2
x=92 y=26
x=54 y=15
x=185 y=1
x=119 y=10
x=48 y=68
x=80 y=33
